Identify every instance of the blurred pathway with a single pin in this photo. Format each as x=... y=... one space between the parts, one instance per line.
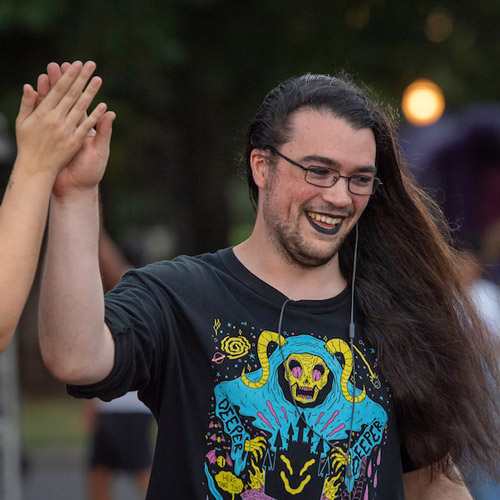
x=59 y=473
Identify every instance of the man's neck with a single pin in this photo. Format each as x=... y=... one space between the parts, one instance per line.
x=294 y=281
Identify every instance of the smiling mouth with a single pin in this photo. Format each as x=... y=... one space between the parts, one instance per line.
x=324 y=223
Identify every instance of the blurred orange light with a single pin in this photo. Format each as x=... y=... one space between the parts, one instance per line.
x=423 y=102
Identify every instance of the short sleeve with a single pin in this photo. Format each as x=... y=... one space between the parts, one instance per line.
x=138 y=315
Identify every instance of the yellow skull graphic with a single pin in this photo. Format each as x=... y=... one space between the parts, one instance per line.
x=307 y=374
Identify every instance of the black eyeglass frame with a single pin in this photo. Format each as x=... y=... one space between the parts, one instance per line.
x=376 y=181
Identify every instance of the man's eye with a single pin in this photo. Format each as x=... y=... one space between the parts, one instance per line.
x=362 y=180
x=319 y=171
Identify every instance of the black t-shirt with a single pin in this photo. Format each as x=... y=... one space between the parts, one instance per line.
x=247 y=407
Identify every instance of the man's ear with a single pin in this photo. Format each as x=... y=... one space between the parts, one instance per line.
x=259 y=162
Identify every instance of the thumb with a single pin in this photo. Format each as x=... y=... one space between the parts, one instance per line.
x=28 y=102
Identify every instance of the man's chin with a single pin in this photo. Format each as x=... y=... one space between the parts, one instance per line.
x=310 y=258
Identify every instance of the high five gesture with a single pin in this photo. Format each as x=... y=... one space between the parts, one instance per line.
x=51 y=128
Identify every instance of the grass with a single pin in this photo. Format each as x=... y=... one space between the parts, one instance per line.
x=52 y=421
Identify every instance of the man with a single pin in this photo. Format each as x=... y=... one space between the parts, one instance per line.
x=48 y=136
x=333 y=354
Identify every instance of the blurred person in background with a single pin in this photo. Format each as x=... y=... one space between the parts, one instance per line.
x=48 y=135
x=121 y=430
x=486 y=296
x=120 y=443
x=484 y=291
x=335 y=353
x=490 y=250
x=463 y=169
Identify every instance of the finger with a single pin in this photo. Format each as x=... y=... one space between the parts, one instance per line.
x=74 y=93
x=62 y=87
x=64 y=67
x=90 y=122
x=54 y=72
x=104 y=130
x=28 y=103
x=42 y=87
x=79 y=109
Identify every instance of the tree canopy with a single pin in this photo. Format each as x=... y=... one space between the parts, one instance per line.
x=186 y=76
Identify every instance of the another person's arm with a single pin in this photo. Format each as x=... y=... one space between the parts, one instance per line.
x=76 y=345
x=48 y=136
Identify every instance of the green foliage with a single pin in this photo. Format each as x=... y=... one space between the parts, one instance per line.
x=185 y=76
x=54 y=421
x=30 y=15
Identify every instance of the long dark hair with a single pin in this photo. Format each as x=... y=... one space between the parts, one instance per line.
x=439 y=358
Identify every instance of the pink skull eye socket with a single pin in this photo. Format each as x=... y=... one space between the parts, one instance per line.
x=318 y=372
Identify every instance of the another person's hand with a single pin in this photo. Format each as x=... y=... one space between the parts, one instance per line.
x=49 y=132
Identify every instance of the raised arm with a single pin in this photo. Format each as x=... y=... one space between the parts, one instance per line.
x=48 y=136
x=76 y=345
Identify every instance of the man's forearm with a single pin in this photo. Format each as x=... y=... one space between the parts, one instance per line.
x=76 y=346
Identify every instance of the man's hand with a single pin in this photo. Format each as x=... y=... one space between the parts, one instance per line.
x=86 y=168
x=51 y=130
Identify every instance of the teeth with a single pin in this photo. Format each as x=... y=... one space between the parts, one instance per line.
x=323 y=218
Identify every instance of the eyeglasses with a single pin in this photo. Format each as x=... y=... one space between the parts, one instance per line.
x=361 y=184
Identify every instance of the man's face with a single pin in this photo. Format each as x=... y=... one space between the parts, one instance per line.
x=306 y=223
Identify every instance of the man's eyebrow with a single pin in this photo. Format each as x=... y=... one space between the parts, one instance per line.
x=368 y=169
x=331 y=162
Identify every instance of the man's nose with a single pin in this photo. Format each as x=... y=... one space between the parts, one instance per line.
x=339 y=193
